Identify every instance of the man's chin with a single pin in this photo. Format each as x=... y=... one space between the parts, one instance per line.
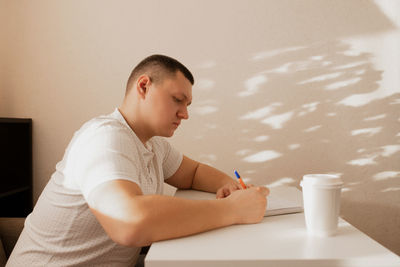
x=171 y=133
x=167 y=134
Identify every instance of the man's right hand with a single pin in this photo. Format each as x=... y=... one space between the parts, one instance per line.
x=249 y=204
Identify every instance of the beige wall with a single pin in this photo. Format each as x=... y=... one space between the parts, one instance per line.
x=283 y=88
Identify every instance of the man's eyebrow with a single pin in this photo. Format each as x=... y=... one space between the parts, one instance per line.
x=186 y=98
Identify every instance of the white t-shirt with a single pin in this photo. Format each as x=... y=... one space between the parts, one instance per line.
x=61 y=230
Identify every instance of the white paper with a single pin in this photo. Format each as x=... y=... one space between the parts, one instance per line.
x=284 y=200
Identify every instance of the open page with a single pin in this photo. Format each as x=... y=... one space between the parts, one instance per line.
x=283 y=200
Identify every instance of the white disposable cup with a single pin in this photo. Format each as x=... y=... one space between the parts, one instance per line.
x=321 y=196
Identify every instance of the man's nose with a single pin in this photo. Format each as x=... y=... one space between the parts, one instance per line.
x=183 y=113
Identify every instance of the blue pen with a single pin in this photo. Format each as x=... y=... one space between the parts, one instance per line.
x=240 y=179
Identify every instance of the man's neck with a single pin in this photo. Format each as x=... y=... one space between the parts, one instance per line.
x=135 y=125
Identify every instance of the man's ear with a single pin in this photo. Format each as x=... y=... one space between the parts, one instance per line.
x=142 y=85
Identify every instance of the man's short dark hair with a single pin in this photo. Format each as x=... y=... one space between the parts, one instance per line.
x=158 y=67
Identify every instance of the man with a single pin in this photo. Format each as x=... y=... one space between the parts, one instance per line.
x=104 y=200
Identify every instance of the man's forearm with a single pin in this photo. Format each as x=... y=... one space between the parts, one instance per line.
x=209 y=179
x=165 y=217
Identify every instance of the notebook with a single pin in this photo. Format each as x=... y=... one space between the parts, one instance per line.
x=281 y=200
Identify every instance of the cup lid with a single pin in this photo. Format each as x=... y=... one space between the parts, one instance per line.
x=323 y=180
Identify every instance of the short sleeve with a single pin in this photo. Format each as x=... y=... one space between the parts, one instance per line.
x=105 y=155
x=172 y=158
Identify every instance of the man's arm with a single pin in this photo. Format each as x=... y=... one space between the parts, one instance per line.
x=198 y=176
x=133 y=219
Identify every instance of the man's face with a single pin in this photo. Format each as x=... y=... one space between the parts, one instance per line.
x=167 y=104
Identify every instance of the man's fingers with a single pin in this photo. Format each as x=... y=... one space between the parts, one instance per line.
x=224 y=192
x=263 y=190
x=220 y=193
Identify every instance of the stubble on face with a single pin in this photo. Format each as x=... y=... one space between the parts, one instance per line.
x=168 y=107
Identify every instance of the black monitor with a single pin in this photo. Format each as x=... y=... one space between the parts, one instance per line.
x=15 y=167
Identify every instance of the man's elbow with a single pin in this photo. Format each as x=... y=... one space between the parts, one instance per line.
x=133 y=235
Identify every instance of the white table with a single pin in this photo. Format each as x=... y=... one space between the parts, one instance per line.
x=276 y=241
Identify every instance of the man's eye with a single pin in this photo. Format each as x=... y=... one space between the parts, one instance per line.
x=178 y=100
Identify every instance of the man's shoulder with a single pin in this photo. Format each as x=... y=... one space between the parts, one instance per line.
x=103 y=123
x=101 y=127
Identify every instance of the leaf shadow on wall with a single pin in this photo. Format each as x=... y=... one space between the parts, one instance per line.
x=290 y=108
x=291 y=113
